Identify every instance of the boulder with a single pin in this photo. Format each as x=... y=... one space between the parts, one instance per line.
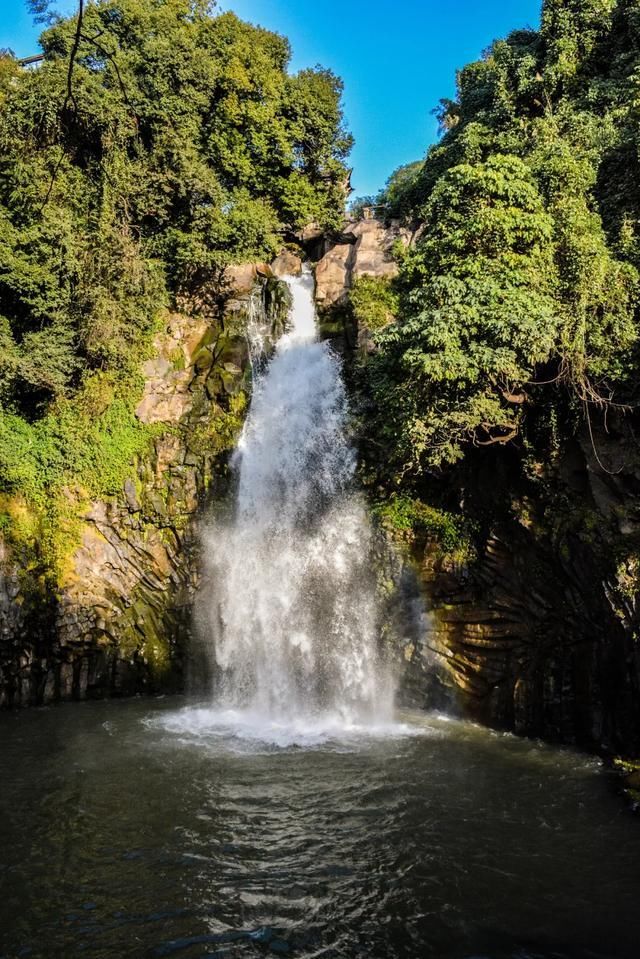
x=286 y=264
x=241 y=278
x=363 y=249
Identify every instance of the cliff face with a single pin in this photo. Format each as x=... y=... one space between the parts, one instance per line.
x=119 y=620
x=538 y=631
x=535 y=629
x=363 y=249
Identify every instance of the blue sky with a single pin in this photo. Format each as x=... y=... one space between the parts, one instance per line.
x=397 y=60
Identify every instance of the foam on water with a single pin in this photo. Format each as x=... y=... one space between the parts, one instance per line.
x=247 y=731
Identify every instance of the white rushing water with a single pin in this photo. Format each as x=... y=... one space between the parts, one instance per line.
x=292 y=610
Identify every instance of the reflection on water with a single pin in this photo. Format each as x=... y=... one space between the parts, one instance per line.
x=146 y=829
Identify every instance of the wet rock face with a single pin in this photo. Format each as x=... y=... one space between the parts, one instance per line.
x=534 y=652
x=538 y=634
x=119 y=621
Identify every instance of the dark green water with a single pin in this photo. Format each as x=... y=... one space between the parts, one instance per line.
x=121 y=837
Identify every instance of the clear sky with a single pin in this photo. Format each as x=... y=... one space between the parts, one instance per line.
x=396 y=57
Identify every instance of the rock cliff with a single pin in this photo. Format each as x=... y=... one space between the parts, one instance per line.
x=120 y=618
x=539 y=629
x=535 y=628
x=363 y=249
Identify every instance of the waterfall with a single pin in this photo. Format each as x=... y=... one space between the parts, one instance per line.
x=292 y=610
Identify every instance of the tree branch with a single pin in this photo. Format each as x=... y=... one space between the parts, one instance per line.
x=68 y=98
x=72 y=59
x=112 y=60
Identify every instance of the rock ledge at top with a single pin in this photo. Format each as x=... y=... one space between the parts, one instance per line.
x=363 y=249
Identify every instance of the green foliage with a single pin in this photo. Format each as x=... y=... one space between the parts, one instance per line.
x=81 y=449
x=396 y=200
x=220 y=433
x=374 y=301
x=525 y=270
x=183 y=146
x=397 y=197
x=89 y=442
x=479 y=287
x=417 y=522
x=572 y=32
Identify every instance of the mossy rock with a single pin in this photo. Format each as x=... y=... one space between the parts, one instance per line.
x=209 y=338
x=277 y=301
x=203 y=360
x=178 y=359
x=231 y=381
x=330 y=328
x=213 y=385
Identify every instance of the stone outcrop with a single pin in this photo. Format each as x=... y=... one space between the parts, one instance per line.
x=363 y=249
x=287 y=263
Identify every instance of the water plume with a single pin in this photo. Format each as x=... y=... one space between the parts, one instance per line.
x=292 y=610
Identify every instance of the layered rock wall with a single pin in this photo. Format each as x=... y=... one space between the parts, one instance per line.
x=538 y=632
x=120 y=619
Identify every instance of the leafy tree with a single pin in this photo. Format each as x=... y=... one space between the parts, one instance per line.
x=479 y=312
x=572 y=32
x=525 y=272
x=374 y=301
x=159 y=141
x=397 y=198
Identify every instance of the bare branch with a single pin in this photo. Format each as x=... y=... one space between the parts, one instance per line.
x=72 y=59
x=112 y=60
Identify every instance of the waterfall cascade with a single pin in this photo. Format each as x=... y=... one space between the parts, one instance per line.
x=292 y=606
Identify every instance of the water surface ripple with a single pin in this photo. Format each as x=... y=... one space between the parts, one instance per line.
x=146 y=829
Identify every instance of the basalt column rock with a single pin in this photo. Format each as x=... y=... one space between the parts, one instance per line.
x=538 y=632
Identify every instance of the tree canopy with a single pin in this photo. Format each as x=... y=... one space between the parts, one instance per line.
x=178 y=143
x=525 y=270
x=157 y=142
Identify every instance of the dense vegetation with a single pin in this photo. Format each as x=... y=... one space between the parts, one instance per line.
x=158 y=142
x=518 y=301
